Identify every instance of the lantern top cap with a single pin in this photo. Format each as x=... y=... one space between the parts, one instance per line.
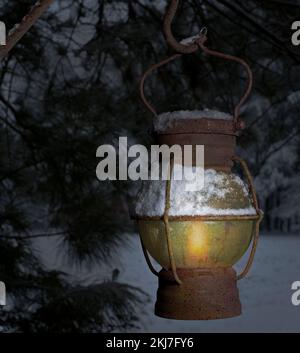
x=195 y=121
x=167 y=121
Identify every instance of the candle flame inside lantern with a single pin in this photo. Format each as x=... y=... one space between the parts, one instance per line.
x=197 y=244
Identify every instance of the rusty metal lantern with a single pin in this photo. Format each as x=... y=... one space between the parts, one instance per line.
x=197 y=253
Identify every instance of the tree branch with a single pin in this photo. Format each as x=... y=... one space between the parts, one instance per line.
x=261 y=28
x=21 y=29
x=283 y=3
x=34 y=236
x=275 y=150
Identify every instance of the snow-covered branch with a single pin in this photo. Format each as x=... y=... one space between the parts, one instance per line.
x=23 y=27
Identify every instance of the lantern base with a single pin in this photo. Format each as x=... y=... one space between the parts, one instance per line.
x=205 y=294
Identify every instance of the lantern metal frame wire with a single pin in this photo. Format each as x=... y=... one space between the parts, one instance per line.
x=166 y=219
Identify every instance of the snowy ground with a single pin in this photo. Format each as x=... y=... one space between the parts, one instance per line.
x=265 y=294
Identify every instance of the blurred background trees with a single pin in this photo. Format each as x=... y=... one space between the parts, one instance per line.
x=71 y=85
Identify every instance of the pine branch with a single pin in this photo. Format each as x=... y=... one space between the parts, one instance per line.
x=272 y=38
x=33 y=236
x=292 y=136
x=284 y=3
x=21 y=29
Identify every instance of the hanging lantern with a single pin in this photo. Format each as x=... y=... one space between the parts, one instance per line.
x=197 y=236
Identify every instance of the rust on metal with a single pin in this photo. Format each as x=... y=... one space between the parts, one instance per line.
x=238 y=123
x=205 y=294
x=218 y=136
x=146 y=74
x=204 y=125
x=170 y=39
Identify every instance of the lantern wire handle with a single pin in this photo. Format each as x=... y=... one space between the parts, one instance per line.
x=167 y=225
x=195 y=43
x=259 y=213
x=248 y=90
x=147 y=73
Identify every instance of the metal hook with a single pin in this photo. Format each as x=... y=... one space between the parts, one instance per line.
x=173 y=43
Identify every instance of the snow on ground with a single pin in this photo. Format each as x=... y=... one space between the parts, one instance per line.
x=265 y=293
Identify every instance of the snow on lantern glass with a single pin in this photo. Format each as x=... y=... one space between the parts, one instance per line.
x=197 y=236
x=197 y=242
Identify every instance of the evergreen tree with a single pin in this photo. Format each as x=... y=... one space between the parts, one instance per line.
x=69 y=86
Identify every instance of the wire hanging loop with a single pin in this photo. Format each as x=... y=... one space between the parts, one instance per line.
x=236 y=114
x=190 y=46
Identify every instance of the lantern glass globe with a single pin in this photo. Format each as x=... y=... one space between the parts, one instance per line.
x=197 y=241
